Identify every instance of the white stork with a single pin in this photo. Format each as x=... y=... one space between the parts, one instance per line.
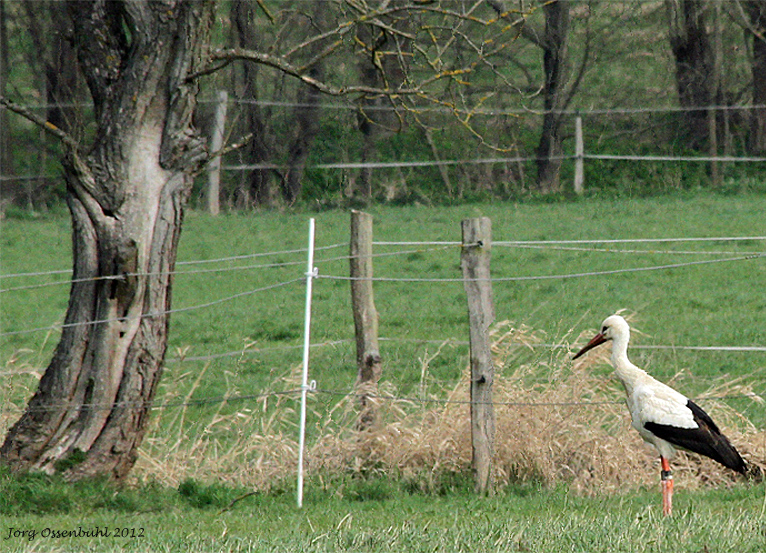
x=663 y=417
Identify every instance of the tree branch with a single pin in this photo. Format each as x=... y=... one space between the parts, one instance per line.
x=85 y=186
x=277 y=62
x=47 y=126
x=521 y=24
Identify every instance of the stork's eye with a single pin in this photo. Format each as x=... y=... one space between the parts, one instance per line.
x=604 y=329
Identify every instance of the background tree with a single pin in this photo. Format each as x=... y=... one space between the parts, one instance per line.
x=382 y=60
x=690 y=43
x=756 y=30
x=5 y=153
x=281 y=135
x=560 y=80
x=557 y=71
x=256 y=187
x=307 y=110
x=57 y=82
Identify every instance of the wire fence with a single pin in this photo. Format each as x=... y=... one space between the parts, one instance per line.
x=443 y=163
x=401 y=248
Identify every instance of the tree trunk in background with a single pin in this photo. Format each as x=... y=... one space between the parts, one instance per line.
x=756 y=11
x=53 y=65
x=6 y=169
x=555 y=65
x=690 y=43
x=369 y=119
x=380 y=66
x=308 y=110
x=62 y=88
x=306 y=114
x=57 y=61
x=370 y=131
x=126 y=197
x=259 y=185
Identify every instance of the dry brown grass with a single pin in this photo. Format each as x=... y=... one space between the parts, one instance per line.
x=18 y=380
x=557 y=422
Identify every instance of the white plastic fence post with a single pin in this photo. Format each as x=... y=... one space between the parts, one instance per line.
x=311 y=273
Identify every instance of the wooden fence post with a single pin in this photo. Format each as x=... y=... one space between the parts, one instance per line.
x=474 y=261
x=579 y=176
x=368 y=360
x=216 y=143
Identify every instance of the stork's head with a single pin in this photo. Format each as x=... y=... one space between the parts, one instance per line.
x=614 y=327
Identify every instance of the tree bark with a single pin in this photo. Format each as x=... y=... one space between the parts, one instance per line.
x=126 y=197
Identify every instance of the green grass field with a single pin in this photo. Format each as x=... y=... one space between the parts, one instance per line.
x=706 y=305
x=245 y=344
x=377 y=516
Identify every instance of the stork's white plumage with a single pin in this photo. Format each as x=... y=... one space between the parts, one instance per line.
x=662 y=416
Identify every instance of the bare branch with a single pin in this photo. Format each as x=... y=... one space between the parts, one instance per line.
x=85 y=186
x=266 y=11
x=232 y=147
x=519 y=22
x=320 y=56
x=277 y=62
x=47 y=126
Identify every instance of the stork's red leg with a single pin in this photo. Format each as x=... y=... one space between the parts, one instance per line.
x=667 y=487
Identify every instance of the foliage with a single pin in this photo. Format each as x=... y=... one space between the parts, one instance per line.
x=490 y=110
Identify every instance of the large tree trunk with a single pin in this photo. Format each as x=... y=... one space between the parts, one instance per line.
x=690 y=43
x=126 y=197
x=555 y=65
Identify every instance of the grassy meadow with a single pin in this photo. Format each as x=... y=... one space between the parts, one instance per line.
x=375 y=517
x=571 y=474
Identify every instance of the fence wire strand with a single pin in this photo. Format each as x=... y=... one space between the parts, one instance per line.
x=155 y=314
x=421 y=246
x=551 y=277
x=346 y=394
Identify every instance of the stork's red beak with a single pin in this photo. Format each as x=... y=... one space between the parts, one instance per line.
x=597 y=340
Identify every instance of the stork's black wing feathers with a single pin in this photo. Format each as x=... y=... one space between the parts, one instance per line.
x=706 y=439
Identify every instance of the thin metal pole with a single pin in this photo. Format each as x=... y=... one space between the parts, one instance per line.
x=311 y=273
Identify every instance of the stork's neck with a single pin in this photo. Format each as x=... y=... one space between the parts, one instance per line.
x=626 y=371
